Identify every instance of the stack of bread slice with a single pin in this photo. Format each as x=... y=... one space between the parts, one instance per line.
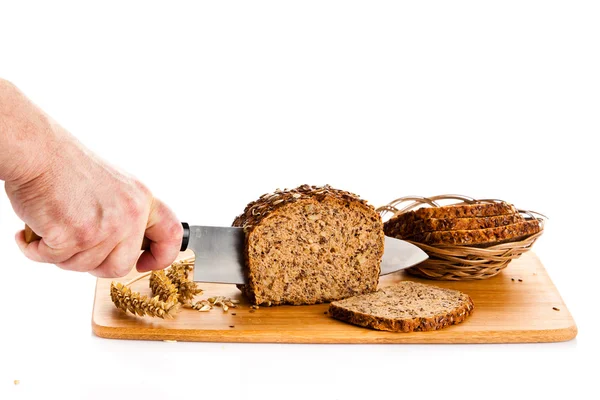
x=478 y=225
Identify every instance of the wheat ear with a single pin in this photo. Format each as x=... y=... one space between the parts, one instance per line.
x=162 y=286
x=127 y=300
x=178 y=274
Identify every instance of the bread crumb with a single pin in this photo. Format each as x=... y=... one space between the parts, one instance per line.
x=556 y=308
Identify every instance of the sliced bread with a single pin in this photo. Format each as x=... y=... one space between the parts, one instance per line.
x=310 y=245
x=399 y=229
x=405 y=307
x=479 y=237
x=455 y=211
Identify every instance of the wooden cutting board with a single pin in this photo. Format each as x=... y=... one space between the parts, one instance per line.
x=506 y=311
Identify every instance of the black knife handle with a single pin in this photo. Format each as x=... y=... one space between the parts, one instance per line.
x=186 y=236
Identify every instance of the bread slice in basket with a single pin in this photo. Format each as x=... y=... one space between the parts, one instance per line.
x=479 y=237
x=478 y=225
x=396 y=227
x=405 y=307
x=462 y=211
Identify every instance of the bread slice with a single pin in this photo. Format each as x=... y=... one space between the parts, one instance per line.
x=405 y=307
x=456 y=211
x=479 y=237
x=310 y=245
x=396 y=228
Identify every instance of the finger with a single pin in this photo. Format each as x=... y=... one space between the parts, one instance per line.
x=120 y=261
x=91 y=259
x=40 y=252
x=165 y=232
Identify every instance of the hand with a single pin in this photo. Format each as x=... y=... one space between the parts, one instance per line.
x=91 y=217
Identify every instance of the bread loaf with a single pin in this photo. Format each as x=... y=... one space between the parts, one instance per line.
x=310 y=245
x=405 y=307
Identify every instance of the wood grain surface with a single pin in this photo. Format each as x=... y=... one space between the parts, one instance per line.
x=506 y=311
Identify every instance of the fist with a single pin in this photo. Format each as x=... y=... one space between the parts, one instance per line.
x=93 y=218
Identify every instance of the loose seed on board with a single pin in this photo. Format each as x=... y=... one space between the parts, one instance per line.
x=556 y=309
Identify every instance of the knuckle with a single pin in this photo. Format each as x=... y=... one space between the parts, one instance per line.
x=175 y=230
x=80 y=263
x=118 y=271
x=135 y=206
x=85 y=236
x=56 y=236
x=111 y=224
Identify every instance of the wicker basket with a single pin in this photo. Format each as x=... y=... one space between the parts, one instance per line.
x=456 y=263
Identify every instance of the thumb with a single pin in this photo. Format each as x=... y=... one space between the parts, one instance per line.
x=165 y=232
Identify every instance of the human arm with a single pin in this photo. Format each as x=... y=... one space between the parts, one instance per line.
x=91 y=216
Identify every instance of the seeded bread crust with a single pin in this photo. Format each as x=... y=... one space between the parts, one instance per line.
x=308 y=270
x=405 y=307
x=261 y=208
x=400 y=229
x=479 y=237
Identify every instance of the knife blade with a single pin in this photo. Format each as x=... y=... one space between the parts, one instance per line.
x=219 y=253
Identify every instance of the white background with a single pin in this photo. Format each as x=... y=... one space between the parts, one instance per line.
x=213 y=104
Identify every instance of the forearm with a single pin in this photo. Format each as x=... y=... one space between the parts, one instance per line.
x=28 y=137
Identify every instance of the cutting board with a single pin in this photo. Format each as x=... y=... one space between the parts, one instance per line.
x=519 y=305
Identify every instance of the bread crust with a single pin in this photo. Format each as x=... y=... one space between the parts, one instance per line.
x=277 y=204
x=342 y=311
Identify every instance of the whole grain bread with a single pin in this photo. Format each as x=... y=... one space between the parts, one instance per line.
x=479 y=237
x=405 y=307
x=400 y=229
x=456 y=211
x=310 y=245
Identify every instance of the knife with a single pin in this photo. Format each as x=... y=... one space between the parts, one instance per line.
x=219 y=253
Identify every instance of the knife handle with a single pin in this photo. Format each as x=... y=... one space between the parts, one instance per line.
x=31 y=236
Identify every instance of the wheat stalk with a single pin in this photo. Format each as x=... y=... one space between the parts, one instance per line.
x=127 y=300
x=170 y=288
